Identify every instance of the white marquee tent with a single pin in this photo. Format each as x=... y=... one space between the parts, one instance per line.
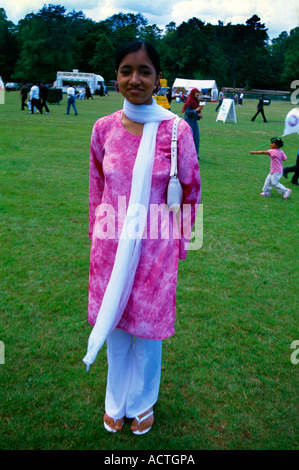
x=184 y=83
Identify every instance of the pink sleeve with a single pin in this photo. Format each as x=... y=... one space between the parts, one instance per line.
x=189 y=176
x=96 y=176
x=284 y=157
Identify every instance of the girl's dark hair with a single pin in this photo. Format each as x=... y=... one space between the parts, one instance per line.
x=277 y=141
x=136 y=46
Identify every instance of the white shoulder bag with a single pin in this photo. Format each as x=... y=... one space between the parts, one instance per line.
x=174 y=190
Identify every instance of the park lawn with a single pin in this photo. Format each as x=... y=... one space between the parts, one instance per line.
x=228 y=381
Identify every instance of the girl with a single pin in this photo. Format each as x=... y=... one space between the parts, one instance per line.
x=192 y=112
x=273 y=179
x=132 y=284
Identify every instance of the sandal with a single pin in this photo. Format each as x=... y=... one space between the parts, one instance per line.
x=117 y=422
x=140 y=420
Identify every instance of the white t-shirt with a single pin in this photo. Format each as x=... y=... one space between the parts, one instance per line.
x=34 y=92
x=71 y=91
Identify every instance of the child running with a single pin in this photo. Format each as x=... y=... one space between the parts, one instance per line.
x=276 y=170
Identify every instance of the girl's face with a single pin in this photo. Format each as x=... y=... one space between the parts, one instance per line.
x=273 y=145
x=137 y=77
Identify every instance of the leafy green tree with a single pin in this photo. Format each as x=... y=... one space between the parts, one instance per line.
x=88 y=43
x=291 y=60
x=78 y=31
x=169 y=58
x=125 y=28
x=219 y=66
x=102 y=61
x=8 y=46
x=277 y=57
x=45 y=44
x=255 y=56
x=229 y=53
x=150 y=33
x=192 y=48
x=53 y=39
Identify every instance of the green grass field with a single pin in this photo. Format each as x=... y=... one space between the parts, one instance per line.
x=228 y=381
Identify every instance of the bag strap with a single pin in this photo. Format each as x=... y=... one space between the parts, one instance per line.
x=174 y=146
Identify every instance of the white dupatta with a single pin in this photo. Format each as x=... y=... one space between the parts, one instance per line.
x=128 y=251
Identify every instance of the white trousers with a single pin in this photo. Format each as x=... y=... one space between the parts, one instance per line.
x=134 y=372
x=273 y=180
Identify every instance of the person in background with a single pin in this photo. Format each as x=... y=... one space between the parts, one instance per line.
x=88 y=93
x=260 y=109
x=35 y=99
x=101 y=92
x=221 y=98
x=169 y=95
x=71 y=93
x=44 y=91
x=293 y=169
x=192 y=111
x=273 y=179
x=23 y=96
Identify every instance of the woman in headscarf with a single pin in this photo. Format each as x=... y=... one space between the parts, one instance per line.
x=192 y=111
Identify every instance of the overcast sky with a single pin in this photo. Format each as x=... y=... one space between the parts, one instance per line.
x=277 y=15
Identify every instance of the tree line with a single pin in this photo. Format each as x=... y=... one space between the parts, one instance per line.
x=238 y=55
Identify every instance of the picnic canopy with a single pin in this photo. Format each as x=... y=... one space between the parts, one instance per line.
x=208 y=87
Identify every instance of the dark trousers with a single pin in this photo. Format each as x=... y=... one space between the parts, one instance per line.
x=293 y=169
x=24 y=98
x=44 y=105
x=219 y=104
x=262 y=113
x=35 y=104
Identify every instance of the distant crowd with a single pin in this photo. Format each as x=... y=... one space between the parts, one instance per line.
x=37 y=99
x=35 y=96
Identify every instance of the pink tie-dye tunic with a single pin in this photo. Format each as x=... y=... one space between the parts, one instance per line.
x=150 y=311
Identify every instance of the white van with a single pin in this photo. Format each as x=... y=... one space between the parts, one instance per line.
x=95 y=82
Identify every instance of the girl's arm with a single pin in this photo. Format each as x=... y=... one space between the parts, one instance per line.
x=96 y=176
x=259 y=152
